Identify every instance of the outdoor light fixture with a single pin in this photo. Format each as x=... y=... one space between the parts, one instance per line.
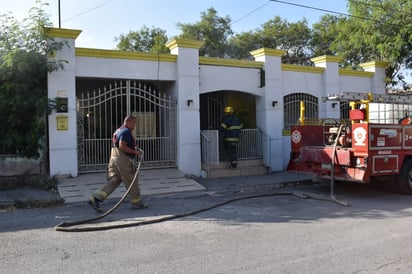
x=189 y=102
x=334 y=105
x=274 y=103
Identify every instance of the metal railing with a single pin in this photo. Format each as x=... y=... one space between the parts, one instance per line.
x=251 y=145
x=205 y=148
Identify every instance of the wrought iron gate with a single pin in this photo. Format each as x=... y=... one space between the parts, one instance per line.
x=102 y=111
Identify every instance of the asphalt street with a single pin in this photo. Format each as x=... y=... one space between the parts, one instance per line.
x=298 y=229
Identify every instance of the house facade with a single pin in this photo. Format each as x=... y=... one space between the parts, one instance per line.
x=178 y=96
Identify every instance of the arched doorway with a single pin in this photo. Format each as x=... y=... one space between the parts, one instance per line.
x=211 y=115
x=213 y=103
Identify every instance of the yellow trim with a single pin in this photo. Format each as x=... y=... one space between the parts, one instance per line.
x=299 y=68
x=375 y=64
x=229 y=62
x=128 y=55
x=232 y=139
x=63 y=33
x=326 y=58
x=184 y=43
x=267 y=52
x=357 y=73
x=286 y=132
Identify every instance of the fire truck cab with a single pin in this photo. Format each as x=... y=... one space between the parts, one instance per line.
x=374 y=144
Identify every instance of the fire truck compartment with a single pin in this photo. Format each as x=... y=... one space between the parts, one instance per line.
x=385 y=164
x=324 y=154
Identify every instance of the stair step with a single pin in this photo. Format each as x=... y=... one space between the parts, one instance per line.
x=245 y=168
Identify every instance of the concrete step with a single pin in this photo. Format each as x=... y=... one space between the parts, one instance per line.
x=245 y=168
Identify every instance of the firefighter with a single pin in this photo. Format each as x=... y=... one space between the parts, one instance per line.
x=121 y=167
x=231 y=127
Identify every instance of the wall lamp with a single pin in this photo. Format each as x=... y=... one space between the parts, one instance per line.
x=274 y=103
x=189 y=102
x=334 y=105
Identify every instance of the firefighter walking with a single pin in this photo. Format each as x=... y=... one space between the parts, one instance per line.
x=121 y=167
x=231 y=127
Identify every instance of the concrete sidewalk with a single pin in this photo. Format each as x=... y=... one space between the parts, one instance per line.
x=152 y=182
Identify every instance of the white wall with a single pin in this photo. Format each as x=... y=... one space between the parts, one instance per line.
x=213 y=78
x=124 y=69
x=193 y=76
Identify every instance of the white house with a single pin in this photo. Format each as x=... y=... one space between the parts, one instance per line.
x=177 y=96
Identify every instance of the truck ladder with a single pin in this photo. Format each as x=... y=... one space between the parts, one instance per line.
x=371 y=97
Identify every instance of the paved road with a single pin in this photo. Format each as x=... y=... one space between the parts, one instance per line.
x=276 y=234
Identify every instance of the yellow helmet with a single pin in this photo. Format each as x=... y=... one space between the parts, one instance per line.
x=228 y=109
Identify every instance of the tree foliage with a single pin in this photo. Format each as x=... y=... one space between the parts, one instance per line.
x=146 y=40
x=212 y=29
x=324 y=33
x=375 y=30
x=378 y=30
x=23 y=81
x=278 y=34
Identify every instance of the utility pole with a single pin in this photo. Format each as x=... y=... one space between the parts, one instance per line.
x=60 y=24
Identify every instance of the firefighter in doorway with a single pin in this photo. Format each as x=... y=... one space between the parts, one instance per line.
x=121 y=167
x=231 y=127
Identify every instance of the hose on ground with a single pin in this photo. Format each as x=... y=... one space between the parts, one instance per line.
x=61 y=226
x=70 y=226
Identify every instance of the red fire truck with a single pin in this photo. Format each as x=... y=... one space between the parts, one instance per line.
x=374 y=144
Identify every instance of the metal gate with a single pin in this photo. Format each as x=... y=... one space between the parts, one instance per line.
x=102 y=111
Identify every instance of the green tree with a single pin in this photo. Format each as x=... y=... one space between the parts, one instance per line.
x=278 y=34
x=379 y=30
x=145 y=40
x=212 y=29
x=240 y=45
x=292 y=37
x=324 y=33
x=23 y=81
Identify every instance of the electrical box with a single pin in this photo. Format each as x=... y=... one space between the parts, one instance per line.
x=61 y=105
x=62 y=122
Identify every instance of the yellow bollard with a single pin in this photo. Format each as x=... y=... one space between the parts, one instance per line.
x=302 y=113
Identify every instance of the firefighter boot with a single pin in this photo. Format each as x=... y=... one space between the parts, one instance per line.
x=138 y=204
x=233 y=165
x=95 y=203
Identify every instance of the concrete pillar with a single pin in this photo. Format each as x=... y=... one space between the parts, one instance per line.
x=269 y=107
x=63 y=122
x=378 y=68
x=330 y=84
x=186 y=92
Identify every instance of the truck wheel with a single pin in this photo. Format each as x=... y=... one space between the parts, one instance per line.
x=404 y=179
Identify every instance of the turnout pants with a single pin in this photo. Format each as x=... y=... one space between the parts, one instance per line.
x=121 y=169
x=230 y=148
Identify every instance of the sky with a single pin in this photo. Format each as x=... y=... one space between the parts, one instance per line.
x=102 y=20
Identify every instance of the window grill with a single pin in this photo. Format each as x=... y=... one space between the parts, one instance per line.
x=291 y=104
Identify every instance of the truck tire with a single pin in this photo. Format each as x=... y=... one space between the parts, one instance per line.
x=404 y=179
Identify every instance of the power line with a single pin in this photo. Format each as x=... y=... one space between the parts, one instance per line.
x=327 y=11
x=253 y=11
x=89 y=10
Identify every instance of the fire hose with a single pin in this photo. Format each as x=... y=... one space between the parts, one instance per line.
x=71 y=226
x=64 y=226
x=332 y=175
